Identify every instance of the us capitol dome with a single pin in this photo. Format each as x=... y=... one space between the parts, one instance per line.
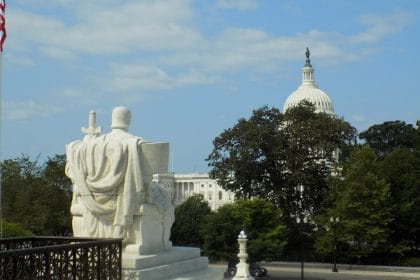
x=182 y=186
x=309 y=91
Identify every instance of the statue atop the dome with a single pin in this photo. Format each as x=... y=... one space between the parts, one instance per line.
x=308 y=53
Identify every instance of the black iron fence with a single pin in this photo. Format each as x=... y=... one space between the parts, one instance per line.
x=60 y=258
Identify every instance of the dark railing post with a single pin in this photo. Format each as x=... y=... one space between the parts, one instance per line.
x=120 y=258
x=14 y=275
x=73 y=260
x=31 y=264
x=99 y=262
x=47 y=265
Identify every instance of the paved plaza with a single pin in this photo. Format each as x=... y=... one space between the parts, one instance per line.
x=293 y=272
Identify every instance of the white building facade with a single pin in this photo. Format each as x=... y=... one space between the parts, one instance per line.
x=182 y=186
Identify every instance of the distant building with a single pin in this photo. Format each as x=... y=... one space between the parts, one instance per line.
x=182 y=186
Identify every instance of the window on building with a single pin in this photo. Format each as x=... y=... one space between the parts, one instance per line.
x=220 y=195
x=210 y=196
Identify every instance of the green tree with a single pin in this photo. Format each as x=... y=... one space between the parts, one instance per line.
x=14 y=230
x=54 y=173
x=363 y=206
x=22 y=190
x=57 y=196
x=324 y=229
x=384 y=138
x=270 y=154
x=262 y=222
x=189 y=217
x=401 y=169
x=220 y=232
x=32 y=198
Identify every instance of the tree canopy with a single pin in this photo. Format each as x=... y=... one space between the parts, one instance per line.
x=271 y=153
x=363 y=207
x=189 y=218
x=401 y=170
x=262 y=222
x=384 y=138
x=36 y=196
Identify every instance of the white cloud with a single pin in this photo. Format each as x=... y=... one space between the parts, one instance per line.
x=84 y=96
x=58 y=53
x=361 y=122
x=237 y=4
x=381 y=26
x=144 y=78
x=359 y=118
x=155 y=26
x=108 y=29
x=255 y=50
x=130 y=77
x=19 y=60
x=20 y=111
x=236 y=49
x=178 y=54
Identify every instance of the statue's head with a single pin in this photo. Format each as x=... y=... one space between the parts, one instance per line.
x=121 y=118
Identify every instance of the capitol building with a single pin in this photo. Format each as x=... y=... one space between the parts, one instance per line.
x=182 y=186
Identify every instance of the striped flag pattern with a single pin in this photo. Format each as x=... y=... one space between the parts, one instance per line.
x=2 y=23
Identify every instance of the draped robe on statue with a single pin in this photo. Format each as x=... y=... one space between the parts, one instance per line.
x=107 y=176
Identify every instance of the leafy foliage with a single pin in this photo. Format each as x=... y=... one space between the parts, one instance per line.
x=262 y=222
x=401 y=169
x=270 y=154
x=189 y=217
x=384 y=138
x=37 y=197
x=363 y=205
x=14 y=230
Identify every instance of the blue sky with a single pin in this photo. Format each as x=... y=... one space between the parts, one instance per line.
x=190 y=69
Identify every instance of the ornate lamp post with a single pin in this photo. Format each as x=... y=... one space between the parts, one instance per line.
x=301 y=219
x=242 y=269
x=334 y=221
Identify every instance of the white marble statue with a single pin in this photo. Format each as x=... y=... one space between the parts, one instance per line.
x=112 y=192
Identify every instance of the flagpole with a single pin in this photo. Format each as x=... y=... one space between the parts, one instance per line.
x=1 y=142
x=2 y=39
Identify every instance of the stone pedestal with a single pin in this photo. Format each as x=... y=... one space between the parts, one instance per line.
x=170 y=264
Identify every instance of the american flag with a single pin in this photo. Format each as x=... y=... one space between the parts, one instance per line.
x=2 y=23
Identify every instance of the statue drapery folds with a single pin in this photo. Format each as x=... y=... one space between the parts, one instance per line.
x=111 y=176
x=106 y=173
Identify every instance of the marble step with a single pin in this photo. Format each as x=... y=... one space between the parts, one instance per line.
x=174 y=270
x=175 y=254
